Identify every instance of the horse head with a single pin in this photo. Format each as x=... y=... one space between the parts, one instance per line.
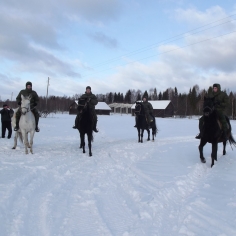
x=138 y=108
x=208 y=106
x=25 y=104
x=83 y=105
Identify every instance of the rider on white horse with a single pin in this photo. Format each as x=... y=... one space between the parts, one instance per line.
x=33 y=103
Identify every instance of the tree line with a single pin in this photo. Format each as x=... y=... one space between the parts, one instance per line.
x=185 y=104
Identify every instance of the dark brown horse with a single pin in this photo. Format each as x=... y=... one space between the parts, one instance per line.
x=212 y=131
x=85 y=124
x=142 y=123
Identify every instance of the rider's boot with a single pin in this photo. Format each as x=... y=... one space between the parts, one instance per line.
x=36 y=124
x=95 y=126
x=198 y=136
x=76 y=123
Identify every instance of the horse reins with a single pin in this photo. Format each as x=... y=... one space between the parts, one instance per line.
x=27 y=110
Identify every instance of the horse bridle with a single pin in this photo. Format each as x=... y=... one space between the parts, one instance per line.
x=84 y=106
x=211 y=110
x=27 y=110
x=138 y=112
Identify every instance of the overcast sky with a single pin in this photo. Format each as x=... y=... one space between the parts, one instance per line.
x=116 y=45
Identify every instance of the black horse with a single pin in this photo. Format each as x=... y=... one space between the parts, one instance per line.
x=85 y=124
x=142 y=123
x=212 y=131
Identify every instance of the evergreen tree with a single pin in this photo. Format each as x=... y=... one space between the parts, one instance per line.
x=145 y=94
x=121 y=98
x=155 y=97
x=115 y=98
x=128 y=97
x=110 y=98
x=138 y=97
x=118 y=97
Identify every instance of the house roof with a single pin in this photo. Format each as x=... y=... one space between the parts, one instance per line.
x=102 y=106
x=99 y=106
x=160 y=104
x=121 y=105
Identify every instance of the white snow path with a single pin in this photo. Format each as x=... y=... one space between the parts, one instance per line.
x=125 y=188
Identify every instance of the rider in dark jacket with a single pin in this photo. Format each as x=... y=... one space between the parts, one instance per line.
x=93 y=101
x=33 y=103
x=220 y=101
x=148 y=111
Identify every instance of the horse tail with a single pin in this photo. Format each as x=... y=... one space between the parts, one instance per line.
x=154 y=129
x=231 y=140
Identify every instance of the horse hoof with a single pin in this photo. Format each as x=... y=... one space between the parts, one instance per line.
x=90 y=154
x=203 y=160
x=13 y=148
x=224 y=152
x=83 y=151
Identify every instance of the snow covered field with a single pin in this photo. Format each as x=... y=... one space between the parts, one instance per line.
x=126 y=188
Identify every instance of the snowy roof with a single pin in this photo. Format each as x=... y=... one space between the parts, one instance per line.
x=102 y=106
x=99 y=106
x=160 y=104
x=122 y=105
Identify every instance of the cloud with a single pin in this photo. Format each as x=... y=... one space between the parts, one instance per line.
x=104 y=39
x=33 y=47
x=30 y=32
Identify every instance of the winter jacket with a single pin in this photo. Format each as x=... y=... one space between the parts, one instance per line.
x=26 y=92
x=6 y=114
x=148 y=107
x=93 y=99
x=221 y=99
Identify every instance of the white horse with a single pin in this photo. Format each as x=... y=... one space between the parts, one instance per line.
x=26 y=124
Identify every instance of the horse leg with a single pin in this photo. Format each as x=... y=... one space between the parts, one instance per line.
x=82 y=141
x=31 y=140
x=224 y=146
x=148 y=131
x=142 y=135
x=25 y=138
x=15 y=140
x=89 y=144
x=139 y=140
x=214 y=153
x=200 y=147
